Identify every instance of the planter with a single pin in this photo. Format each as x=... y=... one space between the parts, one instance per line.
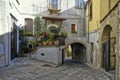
x=50 y=43
x=43 y=34
x=56 y=43
x=44 y=43
x=64 y=34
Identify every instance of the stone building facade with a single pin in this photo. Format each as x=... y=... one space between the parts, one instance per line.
x=104 y=33
x=92 y=17
x=109 y=32
x=73 y=24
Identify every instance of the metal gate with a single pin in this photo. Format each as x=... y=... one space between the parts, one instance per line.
x=106 y=55
x=14 y=41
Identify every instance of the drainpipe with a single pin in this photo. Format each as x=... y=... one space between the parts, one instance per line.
x=87 y=25
x=88 y=31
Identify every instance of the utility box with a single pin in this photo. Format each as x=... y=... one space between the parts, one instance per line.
x=50 y=54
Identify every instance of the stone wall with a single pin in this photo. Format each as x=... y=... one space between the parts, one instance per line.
x=113 y=21
x=74 y=16
x=118 y=47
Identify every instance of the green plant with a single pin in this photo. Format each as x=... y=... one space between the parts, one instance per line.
x=38 y=25
x=73 y=31
x=64 y=34
x=21 y=30
x=44 y=28
x=28 y=33
x=23 y=45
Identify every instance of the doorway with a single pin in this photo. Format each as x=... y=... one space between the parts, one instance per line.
x=14 y=42
x=106 y=55
x=108 y=49
x=76 y=52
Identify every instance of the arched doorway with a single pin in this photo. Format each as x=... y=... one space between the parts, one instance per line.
x=78 y=52
x=108 y=60
x=14 y=42
x=53 y=28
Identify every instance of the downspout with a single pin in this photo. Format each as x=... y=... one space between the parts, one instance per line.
x=88 y=31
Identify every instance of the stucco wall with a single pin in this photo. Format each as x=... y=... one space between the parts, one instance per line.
x=93 y=48
x=2 y=16
x=74 y=16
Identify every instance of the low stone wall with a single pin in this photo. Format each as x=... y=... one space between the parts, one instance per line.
x=49 y=54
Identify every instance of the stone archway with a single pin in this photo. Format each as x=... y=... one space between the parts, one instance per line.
x=107 y=46
x=78 y=52
x=53 y=28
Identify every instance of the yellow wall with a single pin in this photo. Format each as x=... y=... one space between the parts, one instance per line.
x=106 y=6
x=100 y=10
x=93 y=24
x=113 y=2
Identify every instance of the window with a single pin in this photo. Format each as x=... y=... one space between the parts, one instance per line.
x=73 y=28
x=54 y=3
x=79 y=3
x=91 y=10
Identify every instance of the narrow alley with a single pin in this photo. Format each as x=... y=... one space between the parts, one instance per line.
x=30 y=69
x=59 y=39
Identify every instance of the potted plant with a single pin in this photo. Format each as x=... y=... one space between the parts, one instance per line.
x=49 y=42
x=56 y=42
x=64 y=34
x=44 y=40
x=43 y=34
x=28 y=33
x=73 y=31
x=38 y=25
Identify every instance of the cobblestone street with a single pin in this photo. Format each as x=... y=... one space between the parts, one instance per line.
x=29 y=69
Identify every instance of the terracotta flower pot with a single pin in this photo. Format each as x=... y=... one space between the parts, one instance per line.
x=44 y=43
x=56 y=43
x=50 y=43
x=43 y=34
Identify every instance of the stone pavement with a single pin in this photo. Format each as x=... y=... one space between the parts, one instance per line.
x=30 y=69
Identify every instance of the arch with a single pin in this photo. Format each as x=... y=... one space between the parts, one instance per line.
x=50 y=25
x=106 y=33
x=106 y=47
x=78 y=52
x=78 y=41
x=53 y=28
